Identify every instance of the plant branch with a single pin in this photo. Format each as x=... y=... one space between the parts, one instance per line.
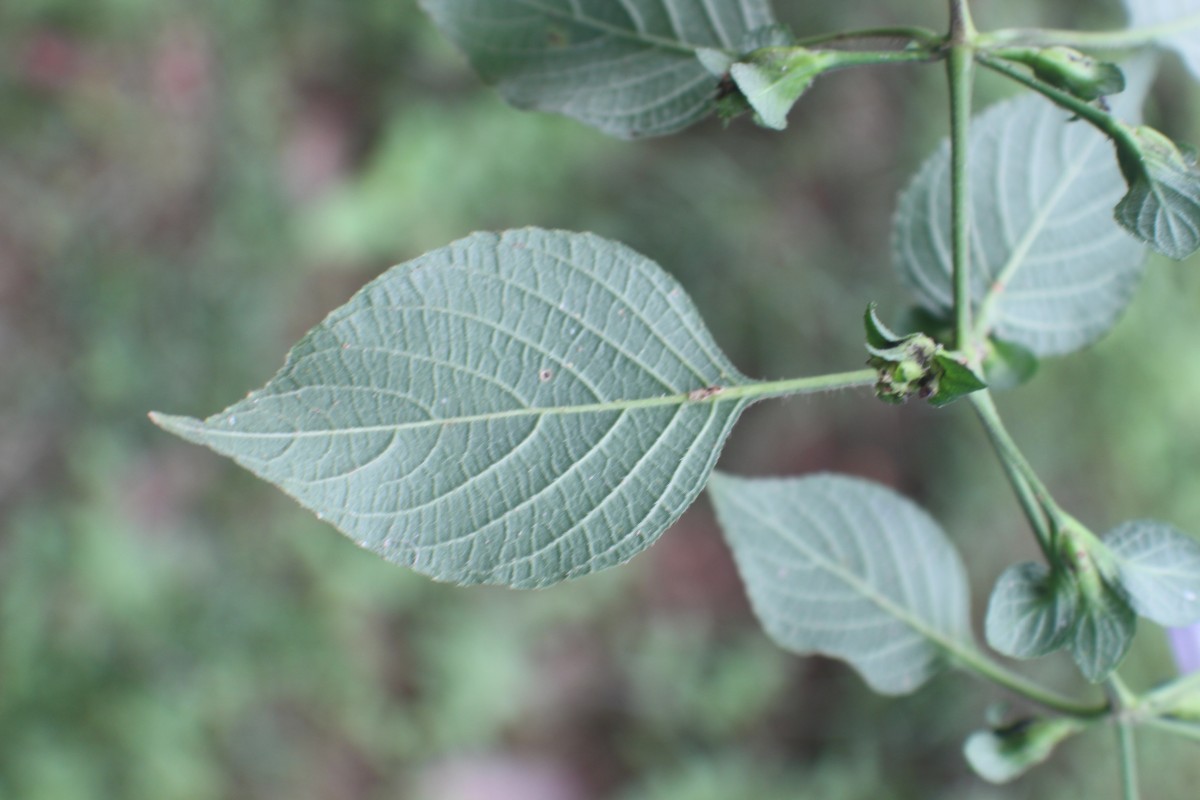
x=1165 y=697
x=1095 y=115
x=960 y=72
x=923 y=36
x=1098 y=40
x=809 y=385
x=973 y=659
x=1045 y=515
x=1186 y=730
x=1128 y=752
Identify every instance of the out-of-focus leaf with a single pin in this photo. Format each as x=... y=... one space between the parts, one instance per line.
x=1006 y=753
x=1162 y=206
x=1178 y=21
x=847 y=568
x=1159 y=570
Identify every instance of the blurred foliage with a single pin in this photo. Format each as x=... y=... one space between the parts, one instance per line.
x=186 y=187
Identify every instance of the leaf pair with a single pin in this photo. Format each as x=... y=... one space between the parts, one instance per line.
x=1088 y=603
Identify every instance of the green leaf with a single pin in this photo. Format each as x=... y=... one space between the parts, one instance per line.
x=849 y=569
x=955 y=380
x=517 y=409
x=773 y=79
x=1006 y=753
x=1162 y=206
x=1031 y=612
x=1103 y=631
x=629 y=68
x=1051 y=270
x=1159 y=568
x=1178 y=21
x=1007 y=365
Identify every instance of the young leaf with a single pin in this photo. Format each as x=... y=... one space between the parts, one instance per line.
x=629 y=68
x=1103 y=631
x=1162 y=206
x=1159 y=569
x=1052 y=270
x=1006 y=753
x=1031 y=611
x=517 y=409
x=1179 y=22
x=849 y=569
x=773 y=79
x=1070 y=70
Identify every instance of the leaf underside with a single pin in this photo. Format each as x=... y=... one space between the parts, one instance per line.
x=1171 y=14
x=1051 y=269
x=627 y=67
x=509 y=409
x=1159 y=569
x=1029 y=614
x=849 y=569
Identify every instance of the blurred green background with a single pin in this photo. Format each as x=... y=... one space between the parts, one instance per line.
x=186 y=187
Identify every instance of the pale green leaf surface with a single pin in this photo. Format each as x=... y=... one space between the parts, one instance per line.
x=627 y=67
x=1029 y=614
x=1052 y=270
x=1159 y=569
x=1104 y=629
x=1179 y=21
x=509 y=409
x=849 y=569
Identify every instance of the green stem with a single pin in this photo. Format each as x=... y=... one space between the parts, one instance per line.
x=1098 y=40
x=960 y=72
x=1186 y=730
x=974 y=660
x=1095 y=115
x=1045 y=516
x=856 y=58
x=924 y=36
x=818 y=383
x=1129 y=780
x=1165 y=697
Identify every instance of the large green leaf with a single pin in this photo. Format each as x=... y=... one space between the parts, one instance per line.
x=517 y=409
x=1179 y=22
x=627 y=67
x=1052 y=271
x=1159 y=569
x=849 y=569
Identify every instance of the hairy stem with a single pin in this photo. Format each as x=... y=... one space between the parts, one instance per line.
x=1044 y=514
x=818 y=383
x=960 y=72
x=923 y=36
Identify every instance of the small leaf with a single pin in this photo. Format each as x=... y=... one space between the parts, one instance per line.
x=516 y=409
x=1052 y=271
x=629 y=68
x=956 y=380
x=1007 y=753
x=1103 y=631
x=1031 y=612
x=879 y=336
x=849 y=569
x=774 y=78
x=1162 y=206
x=1007 y=365
x=1178 y=22
x=1159 y=569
